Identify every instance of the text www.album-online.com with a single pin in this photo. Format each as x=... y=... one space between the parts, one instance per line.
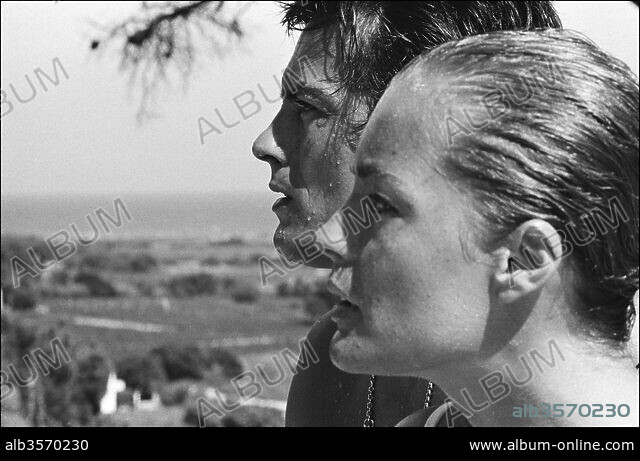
x=573 y=445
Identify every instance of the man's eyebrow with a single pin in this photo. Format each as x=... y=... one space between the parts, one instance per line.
x=311 y=92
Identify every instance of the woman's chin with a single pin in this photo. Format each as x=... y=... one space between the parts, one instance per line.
x=355 y=353
x=351 y=354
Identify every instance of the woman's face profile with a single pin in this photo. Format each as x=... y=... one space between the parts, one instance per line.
x=419 y=284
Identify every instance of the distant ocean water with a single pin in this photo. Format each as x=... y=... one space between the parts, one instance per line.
x=215 y=216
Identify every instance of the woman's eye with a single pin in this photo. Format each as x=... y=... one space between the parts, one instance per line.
x=381 y=204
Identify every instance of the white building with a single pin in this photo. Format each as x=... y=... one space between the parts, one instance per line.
x=109 y=403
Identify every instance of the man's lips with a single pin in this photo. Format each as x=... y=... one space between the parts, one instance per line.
x=280 y=189
x=282 y=201
x=346 y=315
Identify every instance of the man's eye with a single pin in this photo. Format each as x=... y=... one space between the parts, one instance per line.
x=381 y=204
x=303 y=106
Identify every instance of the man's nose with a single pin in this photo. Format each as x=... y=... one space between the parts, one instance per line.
x=333 y=236
x=266 y=149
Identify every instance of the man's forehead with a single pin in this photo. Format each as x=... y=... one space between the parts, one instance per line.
x=314 y=48
x=317 y=44
x=311 y=71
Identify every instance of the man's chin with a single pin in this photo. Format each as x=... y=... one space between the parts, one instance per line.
x=285 y=239
x=286 y=248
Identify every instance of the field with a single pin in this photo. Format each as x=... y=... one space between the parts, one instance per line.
x=126 y=298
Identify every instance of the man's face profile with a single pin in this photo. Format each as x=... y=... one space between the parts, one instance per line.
x=306 y=146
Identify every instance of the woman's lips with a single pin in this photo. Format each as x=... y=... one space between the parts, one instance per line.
x=346 y=315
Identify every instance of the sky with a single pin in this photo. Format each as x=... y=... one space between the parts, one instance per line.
x=82 y=136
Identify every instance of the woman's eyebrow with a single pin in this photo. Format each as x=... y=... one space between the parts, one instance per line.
x=372 y=169
x=366 y=168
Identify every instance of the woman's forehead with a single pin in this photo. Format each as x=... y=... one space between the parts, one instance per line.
x=405 y=121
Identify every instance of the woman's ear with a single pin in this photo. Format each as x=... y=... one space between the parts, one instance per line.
x=531 y=254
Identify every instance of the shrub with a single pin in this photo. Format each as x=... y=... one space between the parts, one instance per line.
x=229 y=284
x=22 y=299
x=59 y=277
x=180 y=362
x=17 y=247
x=184 y=286
x=97 y=286
x=68 y=394
x=18 y=338
x=302 y=287
x=148 y=288
x=245 y=293
x=59 y=388
x=229 y=363
x=283 y=290
x=91 y=382
x=94 y=261
x=210 y=261
x=141 y=373
x=175 y=393
x=142 y=263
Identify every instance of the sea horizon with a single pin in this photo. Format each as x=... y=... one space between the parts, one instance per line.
x=213 y=216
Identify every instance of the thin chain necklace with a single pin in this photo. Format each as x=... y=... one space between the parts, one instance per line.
x=368 y=419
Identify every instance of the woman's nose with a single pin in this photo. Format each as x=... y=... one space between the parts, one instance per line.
x=333 y=236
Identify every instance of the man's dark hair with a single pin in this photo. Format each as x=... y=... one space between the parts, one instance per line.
x=375 y=40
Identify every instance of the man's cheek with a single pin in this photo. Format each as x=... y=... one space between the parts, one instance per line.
x=339 y=186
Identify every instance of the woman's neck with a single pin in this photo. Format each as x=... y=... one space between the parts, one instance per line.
x=510 y=388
